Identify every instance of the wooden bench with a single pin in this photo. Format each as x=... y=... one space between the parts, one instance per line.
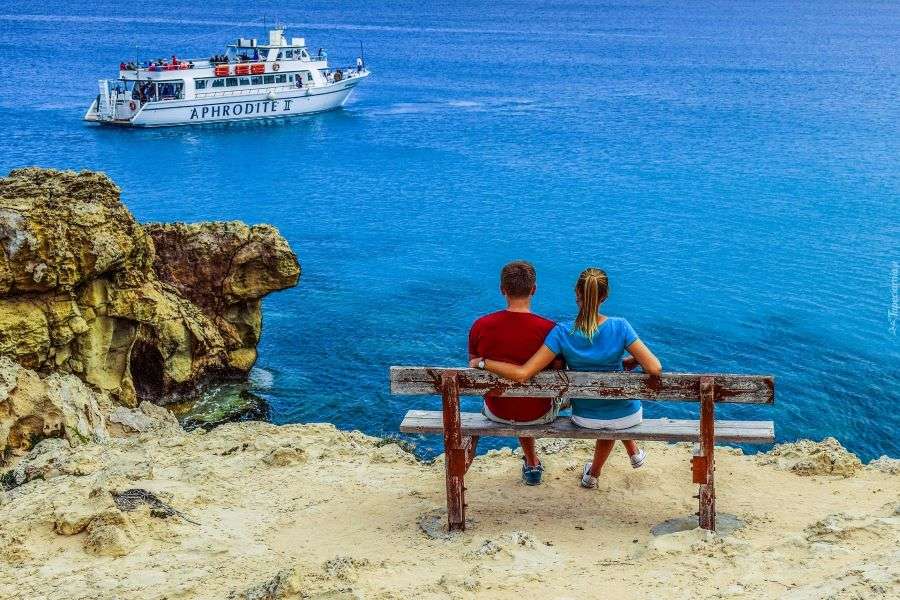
x=462 y=430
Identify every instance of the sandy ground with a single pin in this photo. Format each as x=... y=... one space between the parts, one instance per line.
x=312 y=512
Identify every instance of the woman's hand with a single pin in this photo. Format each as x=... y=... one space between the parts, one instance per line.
x=473 y=362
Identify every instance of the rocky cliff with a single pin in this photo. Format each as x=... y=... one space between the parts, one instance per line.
x=139 y=312
x=254 y=511
x=225 y=269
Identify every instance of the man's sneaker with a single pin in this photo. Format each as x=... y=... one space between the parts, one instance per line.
x=637 y=461
x=587 y=480
x=532 y=475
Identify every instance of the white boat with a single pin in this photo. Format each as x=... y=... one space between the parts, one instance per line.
x=250 y=81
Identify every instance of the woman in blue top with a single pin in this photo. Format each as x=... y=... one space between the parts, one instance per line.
x=593 y=342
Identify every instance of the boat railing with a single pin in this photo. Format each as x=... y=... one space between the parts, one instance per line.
x=204 y=63
x=346 y=73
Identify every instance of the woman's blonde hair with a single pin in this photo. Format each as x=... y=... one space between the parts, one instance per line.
x=592 y=289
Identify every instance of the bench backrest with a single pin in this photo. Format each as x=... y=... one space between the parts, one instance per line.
x=685 y=387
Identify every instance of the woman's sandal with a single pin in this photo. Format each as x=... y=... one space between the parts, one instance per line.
x=637 y=461
x=587 y=480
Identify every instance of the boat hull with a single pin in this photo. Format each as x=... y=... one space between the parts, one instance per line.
x=262 y=105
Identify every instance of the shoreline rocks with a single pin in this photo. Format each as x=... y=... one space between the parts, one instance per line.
x=141 y=313
x=225 y=269
x=806 y=457
x=220 y=404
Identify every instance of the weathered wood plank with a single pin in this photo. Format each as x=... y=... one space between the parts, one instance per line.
x=430 y=422
x=746 y=389
x=674 y=430
x=455 y=465
x=470 y=418
x=707 y=512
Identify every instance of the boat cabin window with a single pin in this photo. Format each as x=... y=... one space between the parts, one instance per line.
x=202 y=85
x=309 y=76
x=170 y=90
x=155 y=91
x=289 y=54
x=120 y=87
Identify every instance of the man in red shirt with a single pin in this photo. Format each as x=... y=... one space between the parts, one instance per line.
x=514 y=335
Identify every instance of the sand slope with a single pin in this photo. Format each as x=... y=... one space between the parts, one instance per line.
x=312 y=512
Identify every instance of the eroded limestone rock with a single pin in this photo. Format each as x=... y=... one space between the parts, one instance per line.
x=34 y=408
x=885 y=464
x=50 y=458
x=60 y=230
x=806 y=457
x=144 y=418
x=83 y=290
x=282 y=586
x=225 y=269
x=109 y=534
x=72 y=517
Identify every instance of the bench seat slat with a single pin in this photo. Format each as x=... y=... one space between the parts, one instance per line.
x=729 y=388
x=673 y=430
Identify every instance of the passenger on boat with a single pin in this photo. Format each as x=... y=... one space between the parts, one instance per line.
x=338 y=75
x=359 y=64
x=144 y=92
x=299 y=79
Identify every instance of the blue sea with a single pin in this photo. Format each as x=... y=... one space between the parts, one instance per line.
x=733 y=165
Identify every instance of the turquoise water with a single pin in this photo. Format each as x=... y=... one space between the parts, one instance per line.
x=733 y=165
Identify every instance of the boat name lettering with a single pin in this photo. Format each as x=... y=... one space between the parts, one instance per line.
x=237 y=109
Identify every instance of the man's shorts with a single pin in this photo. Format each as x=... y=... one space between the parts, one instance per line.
x=548 y=417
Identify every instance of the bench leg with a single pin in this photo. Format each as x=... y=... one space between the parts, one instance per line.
x=706 y=476
x=455 y=454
